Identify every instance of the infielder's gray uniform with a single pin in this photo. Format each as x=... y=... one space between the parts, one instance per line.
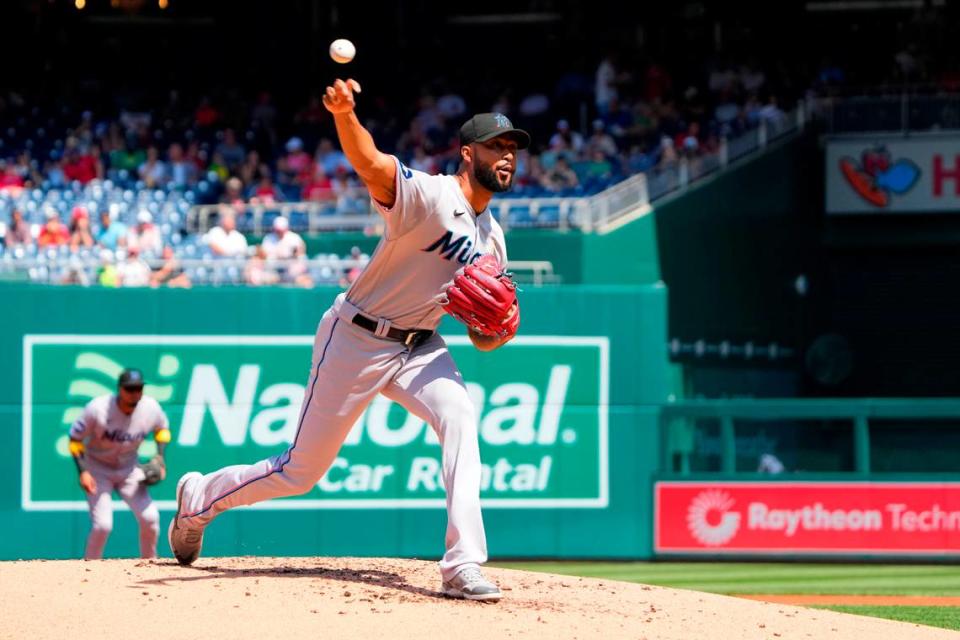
x=431 y=231
x=111 y=439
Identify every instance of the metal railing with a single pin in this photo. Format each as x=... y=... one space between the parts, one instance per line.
x=860 y=413
x=209 y=270
x=324 y=269
x=903 y=113
x=320 y=216
x=536 y=272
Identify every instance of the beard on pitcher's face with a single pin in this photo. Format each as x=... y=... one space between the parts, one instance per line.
x=493 y=180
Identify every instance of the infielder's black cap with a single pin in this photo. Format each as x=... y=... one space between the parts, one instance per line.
x=130 y=378
x=486 y=126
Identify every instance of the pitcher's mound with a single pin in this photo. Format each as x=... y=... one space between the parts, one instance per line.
x=320 y=598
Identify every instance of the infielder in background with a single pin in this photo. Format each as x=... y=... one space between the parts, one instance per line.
x=441 y=251
x=104 y=442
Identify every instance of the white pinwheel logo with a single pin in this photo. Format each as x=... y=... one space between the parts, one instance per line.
x=710 y=520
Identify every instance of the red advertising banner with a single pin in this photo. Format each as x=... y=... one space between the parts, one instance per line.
x=892 y=518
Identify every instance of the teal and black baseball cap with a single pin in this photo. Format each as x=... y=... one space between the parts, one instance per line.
x=487 y=126
x=130 y=379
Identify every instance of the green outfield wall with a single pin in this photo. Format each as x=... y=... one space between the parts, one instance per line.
x=568 y=421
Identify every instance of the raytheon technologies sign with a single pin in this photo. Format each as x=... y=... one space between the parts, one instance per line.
x=809 y=517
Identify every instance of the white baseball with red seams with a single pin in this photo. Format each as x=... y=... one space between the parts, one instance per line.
x=342 y=50
x=431 y=232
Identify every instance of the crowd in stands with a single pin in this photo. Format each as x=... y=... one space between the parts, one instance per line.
x=112 y=255
x=634 y=120
x=138 y=172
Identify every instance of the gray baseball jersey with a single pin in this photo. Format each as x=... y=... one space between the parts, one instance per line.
x=113 y=437
x=431 y=231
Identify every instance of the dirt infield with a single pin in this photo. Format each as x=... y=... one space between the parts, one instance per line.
x=292 y=598
x=854 y=600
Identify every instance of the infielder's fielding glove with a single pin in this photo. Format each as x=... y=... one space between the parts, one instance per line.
x=153 y=471
x=484 y=297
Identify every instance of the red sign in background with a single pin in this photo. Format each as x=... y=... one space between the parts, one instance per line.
x=807 y=517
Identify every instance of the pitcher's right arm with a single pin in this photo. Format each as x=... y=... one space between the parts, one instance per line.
x=377 y=169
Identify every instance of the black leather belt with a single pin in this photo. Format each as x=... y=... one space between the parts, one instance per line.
x=409 y=337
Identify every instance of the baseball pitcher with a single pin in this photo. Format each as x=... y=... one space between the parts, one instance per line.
x=104 y=442
x=441 y=251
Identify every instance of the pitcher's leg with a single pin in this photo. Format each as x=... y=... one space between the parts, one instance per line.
x=144 y=510
x=431 y=388
x=346 y=375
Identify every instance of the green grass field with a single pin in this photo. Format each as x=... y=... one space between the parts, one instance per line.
x=787 y=578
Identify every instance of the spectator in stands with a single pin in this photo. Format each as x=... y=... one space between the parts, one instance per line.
x=83 y=166
x=170 y=272
x=145 y=236
x=18 y=231
x=530 y=174
x=669 y=158
x=75 y=273
x=153 y=171
x=231 y=152
x=319 y=188
x=358 y=261
x=224 y=240
x=560 y=177
x=297 y=162
x=566 y=139
x=606 y=80
x=11 y=182
x=54 y=233
x=183 y=172
x=128 y=157
x=329 y=157
x=26 y=168
x=53 y=170
x=640 y=160
x=113 y=233
x=772 y=114
x=597 y=170
x=265 y=192
x=348 y=193
x=600 y=140
x=249 y=171
x=297 y=268
x=218 y=167
x=133 y=271
x=726 y=111
x=688 y=142
x=80 y=235
x=233 y=194
x=771 y=464
x=107 y=273
x=258 y=271
x=281 y=243
x=623 y=120
x=751 y=109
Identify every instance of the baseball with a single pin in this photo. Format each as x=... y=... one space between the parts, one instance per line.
x=342 y=50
